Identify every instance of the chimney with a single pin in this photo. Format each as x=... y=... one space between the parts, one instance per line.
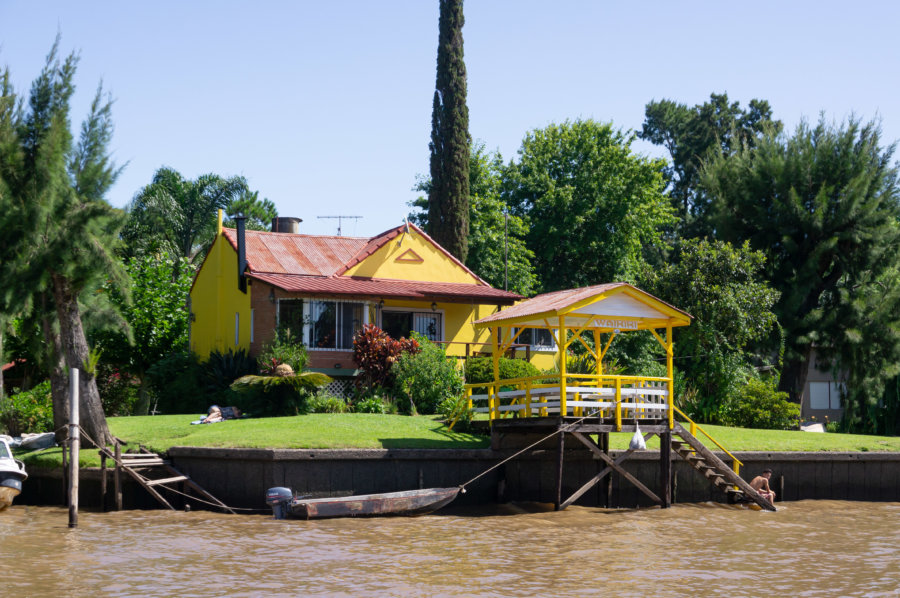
x=286 y=224
x=241 y=222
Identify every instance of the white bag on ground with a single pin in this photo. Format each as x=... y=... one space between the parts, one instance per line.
x=637 y=441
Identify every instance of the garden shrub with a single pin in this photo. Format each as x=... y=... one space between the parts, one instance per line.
x=375 y=352
x=324 y=402
x=221 y=369
x=426 y=378
x=27 y=412
x=760 y=405
x=376 y=401
x=177 y=383
x=284 y=348
x=481 y=369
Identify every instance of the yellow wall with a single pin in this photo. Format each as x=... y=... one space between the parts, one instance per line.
x=215 y=299
x=434 y=267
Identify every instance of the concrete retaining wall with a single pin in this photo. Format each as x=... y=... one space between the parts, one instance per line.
x=240 y=477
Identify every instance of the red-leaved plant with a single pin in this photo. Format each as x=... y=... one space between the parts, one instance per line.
x=375 y=352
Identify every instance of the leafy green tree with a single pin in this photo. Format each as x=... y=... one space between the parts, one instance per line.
x=259 y=212
x=177 y=215
x=592 y=204
x=822 y=205
x=156 y=318
x=59 y=232
x=497 y=250
x=691 y=134
x=448 y=198
x=723 y=288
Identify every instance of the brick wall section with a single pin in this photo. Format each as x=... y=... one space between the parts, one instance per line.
x=265 y=320
x=264 y=316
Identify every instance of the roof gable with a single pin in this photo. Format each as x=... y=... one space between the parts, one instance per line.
x=407 y=253
x=610 y=306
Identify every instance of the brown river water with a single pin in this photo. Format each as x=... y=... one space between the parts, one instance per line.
x=807 y=548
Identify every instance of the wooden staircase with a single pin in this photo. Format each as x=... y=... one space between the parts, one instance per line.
x=150 y=470
x=714 y=469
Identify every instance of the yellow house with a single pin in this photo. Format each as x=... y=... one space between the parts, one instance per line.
x=325 y=288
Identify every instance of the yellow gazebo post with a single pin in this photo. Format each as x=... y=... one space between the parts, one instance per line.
x=563 y=346
x=494 y=400
x=670 y=372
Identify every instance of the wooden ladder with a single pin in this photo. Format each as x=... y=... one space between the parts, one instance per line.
x=139 y=465
x=714 y=469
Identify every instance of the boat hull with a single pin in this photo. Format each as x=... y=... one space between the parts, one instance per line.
x=10 y=487
x=409 y=503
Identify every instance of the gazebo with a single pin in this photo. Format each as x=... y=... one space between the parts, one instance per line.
x=583 y=404
x=603 y=311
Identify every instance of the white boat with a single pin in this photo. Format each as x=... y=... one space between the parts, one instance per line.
x=12 y=474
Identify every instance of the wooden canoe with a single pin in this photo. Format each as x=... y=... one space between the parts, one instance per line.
x=408 y=503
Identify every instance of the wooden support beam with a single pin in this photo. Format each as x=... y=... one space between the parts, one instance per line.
x=604 y=445
x=578 y=493
x=596 y=450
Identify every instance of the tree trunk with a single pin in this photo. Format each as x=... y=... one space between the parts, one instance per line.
x=76 y=353
x=59 y=393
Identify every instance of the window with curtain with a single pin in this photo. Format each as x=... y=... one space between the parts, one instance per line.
x=332 y=324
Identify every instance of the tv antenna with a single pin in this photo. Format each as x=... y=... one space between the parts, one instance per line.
x=341 y=219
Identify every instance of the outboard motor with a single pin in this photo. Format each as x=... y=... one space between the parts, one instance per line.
x=279 y=499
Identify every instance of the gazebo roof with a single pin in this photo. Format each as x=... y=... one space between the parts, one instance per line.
x=612 y=306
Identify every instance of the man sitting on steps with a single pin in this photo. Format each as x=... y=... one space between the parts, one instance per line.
x=761 y=484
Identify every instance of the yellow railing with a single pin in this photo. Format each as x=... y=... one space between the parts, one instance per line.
x=588 y=391
x=735 y=462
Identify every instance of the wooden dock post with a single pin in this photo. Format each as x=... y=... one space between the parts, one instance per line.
x=117 y=477
x=559 y=471
x=604 y=446
x=74 y=442
x=102 y=481
x=665 y=468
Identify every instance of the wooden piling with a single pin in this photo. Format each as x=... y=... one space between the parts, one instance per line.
x=117 y=477
x=103 y=481
x=559 y=470
x=665 y=468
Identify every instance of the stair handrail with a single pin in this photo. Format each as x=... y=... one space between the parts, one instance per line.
x=735 y=462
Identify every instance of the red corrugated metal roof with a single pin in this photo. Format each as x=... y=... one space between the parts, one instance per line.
x=380 y=287
x=283 y=253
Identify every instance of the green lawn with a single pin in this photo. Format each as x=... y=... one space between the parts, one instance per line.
x=357 y=430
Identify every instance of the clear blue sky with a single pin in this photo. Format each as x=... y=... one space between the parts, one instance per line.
x=325 y=107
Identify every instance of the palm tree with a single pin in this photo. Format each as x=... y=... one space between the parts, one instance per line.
x=179 y=215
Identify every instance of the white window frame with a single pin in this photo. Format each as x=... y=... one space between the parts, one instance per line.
x=237 y=329
x=307 y=317
x=539 y=348
x=833 y=392
x=252 y=319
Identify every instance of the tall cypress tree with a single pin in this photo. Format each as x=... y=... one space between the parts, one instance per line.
x=448 y=199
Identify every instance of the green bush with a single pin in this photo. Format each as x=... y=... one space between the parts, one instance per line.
x=760 y=405
x=425 y=379
x=178 y=386
x=323 y=402
x=481 y=369
x=28 y=412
